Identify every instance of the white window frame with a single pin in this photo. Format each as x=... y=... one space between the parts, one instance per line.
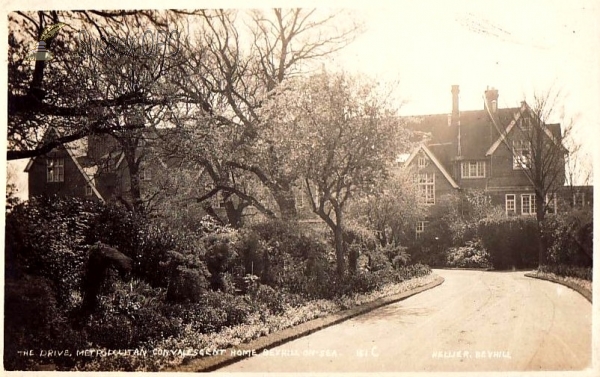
x=145 y=174
x=530 y=209
x=420 y=228
x=525 y=124
x=472 y=169
x=520 y=159
x=510 y=198
x=422 y=162
x=426 y=182
x=55 y=169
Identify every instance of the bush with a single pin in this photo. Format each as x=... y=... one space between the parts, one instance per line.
x=129 y=315
x=49 y=235
x=569 y=238
x=472 y=255
x=512 y=242
x=585 y=273
x=33 y=320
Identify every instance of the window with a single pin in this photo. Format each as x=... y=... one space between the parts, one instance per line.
x=422 y=162
x=473 y=169
x=494 y=106
x=145 y=174
x=521 y=154
x=299 y=198
x=426 y=183
x=551 y=204
x=88 y=190
x=528 y=204
x=510 y=201
x=579 y=199
x=56 y=170
x=420 y=228
x=526 y=124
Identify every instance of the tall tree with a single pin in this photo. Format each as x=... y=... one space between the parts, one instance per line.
x=341 y=137
x=61 y=91
x=236 y=72
x=538 y=150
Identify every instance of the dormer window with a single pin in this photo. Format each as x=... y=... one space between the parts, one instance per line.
x=473 y=169
x=55 y=170
x=526 y=124
x=521 y=154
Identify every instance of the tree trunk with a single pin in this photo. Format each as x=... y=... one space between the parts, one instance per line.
x=134 y=179
x=540 y=216
x=287 y=204
x=234 y=215
x=339 y=250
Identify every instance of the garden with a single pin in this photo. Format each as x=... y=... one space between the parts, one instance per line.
x=108 y=289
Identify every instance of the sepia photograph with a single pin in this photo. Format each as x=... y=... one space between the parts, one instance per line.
x=306 y=187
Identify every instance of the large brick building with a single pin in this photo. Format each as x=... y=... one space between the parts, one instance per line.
x=484 y=150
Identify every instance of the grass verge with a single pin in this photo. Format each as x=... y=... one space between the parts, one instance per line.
x=582 y=286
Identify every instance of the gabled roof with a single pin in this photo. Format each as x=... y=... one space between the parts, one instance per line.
x=435 y=160
x=474 y=131
x=551 y=130
x=73 y=148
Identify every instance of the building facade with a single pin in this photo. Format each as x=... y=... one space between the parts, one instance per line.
x=487 y=150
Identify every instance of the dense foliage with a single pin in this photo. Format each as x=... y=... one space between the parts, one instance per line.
x=200 y=281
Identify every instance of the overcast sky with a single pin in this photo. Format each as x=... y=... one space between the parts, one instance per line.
x=427 y=46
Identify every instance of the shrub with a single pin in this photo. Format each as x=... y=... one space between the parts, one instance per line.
x=472 y=255
x=569 y=238
x=129 y=315
x=33 y=320
x=566 y=270
x=512 y=242
x=48 y=235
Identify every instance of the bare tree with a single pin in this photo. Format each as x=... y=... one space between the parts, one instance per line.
x=538 y=150
x=59 y=92
x=236 y=72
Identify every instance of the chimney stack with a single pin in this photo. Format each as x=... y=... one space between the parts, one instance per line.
x=455 y=116
x=491 y=98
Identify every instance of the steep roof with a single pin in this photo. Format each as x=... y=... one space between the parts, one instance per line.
x=76 y=150
x=435 y=160
x=475 y=132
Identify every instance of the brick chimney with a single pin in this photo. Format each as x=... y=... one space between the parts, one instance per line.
x=455 y=116
x=491 y=98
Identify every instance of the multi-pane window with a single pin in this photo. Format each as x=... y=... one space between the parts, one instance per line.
x=145 y=174
x=521 y=154
x=473 y=169
x=421 y=162
x=88 y=190
x=510 y=202
x=526 y=124
x=528 y=204
x=420 y=228
x=579 y=199
x=55 y=170
x=426 y=183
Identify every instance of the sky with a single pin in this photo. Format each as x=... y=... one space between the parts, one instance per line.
x=517 y=47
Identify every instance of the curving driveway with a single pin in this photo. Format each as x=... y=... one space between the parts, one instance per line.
x=474 y=321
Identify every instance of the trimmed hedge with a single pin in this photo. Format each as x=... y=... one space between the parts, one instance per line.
x=512 y=242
